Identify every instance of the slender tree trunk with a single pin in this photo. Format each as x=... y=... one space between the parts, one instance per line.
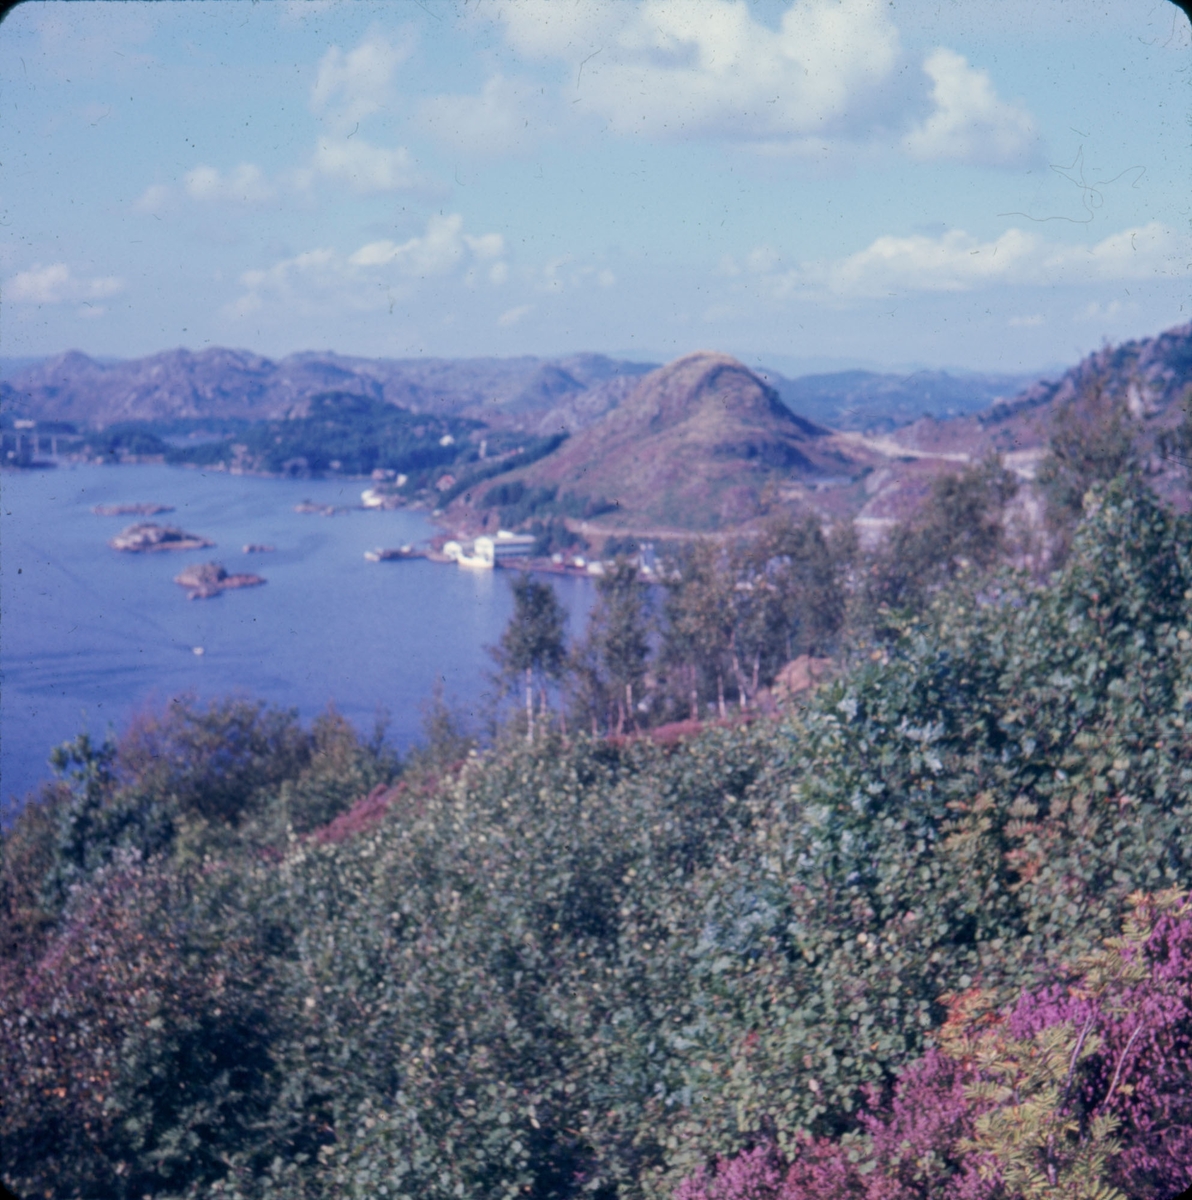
x=629 y=706
x=740 y=681
x=693 y=680
x=720 y=694
x=757 y=671
x=529 y=706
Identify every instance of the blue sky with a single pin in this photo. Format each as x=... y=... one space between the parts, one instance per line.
x=928 y=182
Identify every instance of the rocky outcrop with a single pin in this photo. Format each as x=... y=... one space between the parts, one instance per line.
x=1153 y=374
x=204 y=580
x=146 y=537
x=130 y=510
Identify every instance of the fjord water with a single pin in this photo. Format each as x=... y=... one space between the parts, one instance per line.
x=90 y=636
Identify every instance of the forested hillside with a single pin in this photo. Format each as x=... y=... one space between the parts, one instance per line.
x=854 y=949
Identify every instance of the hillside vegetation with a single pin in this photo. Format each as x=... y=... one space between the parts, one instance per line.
x=852 y=951
x=693 y=446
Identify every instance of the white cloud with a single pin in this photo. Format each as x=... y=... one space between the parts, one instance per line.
x=245 y=185
x=957 y=262
x=971 y=123
x=353 y=86
x=677 y=68
x=374 y=275
x=548 y=29
x=828 y=75
x=366 y=167
x=559 y=274
x=506 y=116
x=57 y=284
x=1031 y=321
x=952 y=262
x=153 y=199
x=511 y=316
x=1098 y=311
x=440 y=248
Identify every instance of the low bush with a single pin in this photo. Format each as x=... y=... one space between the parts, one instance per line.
x=584 y=968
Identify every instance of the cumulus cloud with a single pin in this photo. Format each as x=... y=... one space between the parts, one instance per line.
x=511 y=316
x=244 y=185
x=563 y=272
x=440 y=248
x=507 y=115
x=153 y=199
x=676 y=68
x=708 y=67
x=367 y=168
x=828 y=74
x=970 y=122
x=374 y=275
x=57 y=284
x=957 y=262
x=354 y=85
x=548 y=29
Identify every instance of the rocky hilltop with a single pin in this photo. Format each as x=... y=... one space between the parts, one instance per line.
x=1153 y=376
x=698 y=444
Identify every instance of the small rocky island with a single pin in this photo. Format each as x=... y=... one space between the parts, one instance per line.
x=204 y=580
x=146 y=536
x=323 y=510
x=131 y=510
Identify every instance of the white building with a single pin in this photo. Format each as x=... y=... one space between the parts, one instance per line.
x=506 y=545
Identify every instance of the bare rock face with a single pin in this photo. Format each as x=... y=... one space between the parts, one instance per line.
x=204 y=580
x=146 y=536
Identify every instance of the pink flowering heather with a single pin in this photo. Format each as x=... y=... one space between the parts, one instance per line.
x=1132 y=1005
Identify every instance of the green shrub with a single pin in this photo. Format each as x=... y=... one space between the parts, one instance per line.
x=587 y=968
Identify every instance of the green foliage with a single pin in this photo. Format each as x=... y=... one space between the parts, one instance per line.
x=522 y=456
x=735 y=614
x=1177 y=443
x=126 y=438
x=532 y=646
x=609 y=665
x=196 y=779
x=958 y=527
x=516 y=503
x=447 y=736
x=359 y=433
x=27 y=854
x=1091 y=442
x=588 y=967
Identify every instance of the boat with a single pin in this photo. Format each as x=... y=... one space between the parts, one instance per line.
x=384 y=555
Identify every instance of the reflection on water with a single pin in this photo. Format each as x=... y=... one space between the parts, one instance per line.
x=88 y=635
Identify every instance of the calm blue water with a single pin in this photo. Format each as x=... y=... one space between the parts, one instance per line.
x=89 y=636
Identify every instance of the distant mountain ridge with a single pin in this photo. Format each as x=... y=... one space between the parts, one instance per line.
x=221 y=384
x=858 y=400
x=540 y=396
